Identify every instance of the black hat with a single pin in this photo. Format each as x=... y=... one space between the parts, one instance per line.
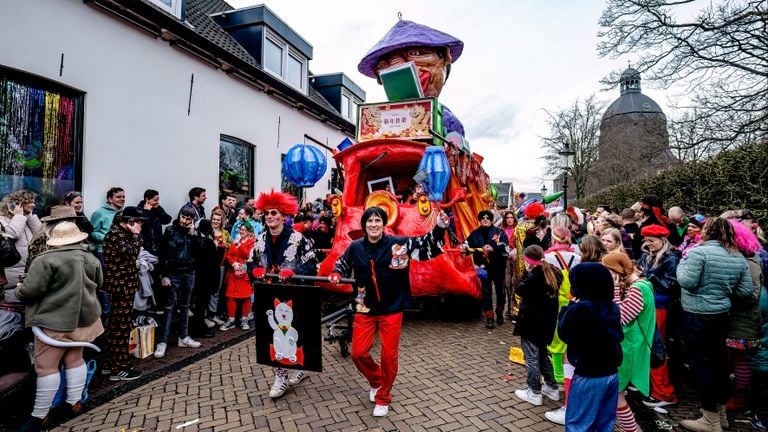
x=132 y=213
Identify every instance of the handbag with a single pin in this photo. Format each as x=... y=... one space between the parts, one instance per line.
x=658 y=351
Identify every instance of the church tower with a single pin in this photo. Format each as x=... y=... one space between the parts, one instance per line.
x=633 y=138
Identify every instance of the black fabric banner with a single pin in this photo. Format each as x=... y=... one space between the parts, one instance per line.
x=287 y=319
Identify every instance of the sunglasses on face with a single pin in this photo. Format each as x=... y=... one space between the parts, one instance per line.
x=272 y=213
x=485 y=218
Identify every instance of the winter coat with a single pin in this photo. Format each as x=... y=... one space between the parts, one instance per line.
x=179 y=250
x=238 y=285
x=495 y=237
x=60 y=289
x=537 y=316
x=758 y=360
x=208 y=271
x=666 y=289
x=20 y=229
x=710 y=276
x=152 y=230
x=101 y=220
x=381 y=269
x=121 y=250
x=591 y=326
x=745 y=312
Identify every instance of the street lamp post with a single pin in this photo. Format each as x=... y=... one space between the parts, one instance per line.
x=566 y=162
x=543 y=190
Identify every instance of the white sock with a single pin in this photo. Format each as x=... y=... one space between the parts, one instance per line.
x=75 y=383
x=569 y=370
x=47 y=386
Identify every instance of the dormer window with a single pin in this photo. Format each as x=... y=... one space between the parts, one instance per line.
x=348 y=106
x=282 y=60
x=173 y=7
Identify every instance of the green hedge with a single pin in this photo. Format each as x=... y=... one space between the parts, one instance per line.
x=731 y=180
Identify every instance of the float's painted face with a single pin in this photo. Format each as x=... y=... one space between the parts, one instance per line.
x=431 y=65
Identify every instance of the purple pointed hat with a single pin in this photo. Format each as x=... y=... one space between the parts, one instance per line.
x=404 y=34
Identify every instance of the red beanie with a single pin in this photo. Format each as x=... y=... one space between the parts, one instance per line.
x=654 y=231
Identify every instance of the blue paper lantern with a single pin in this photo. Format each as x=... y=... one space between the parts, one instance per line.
x=435 y=165
x=304 y=165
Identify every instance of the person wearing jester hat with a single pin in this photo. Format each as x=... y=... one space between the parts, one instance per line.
x=432 y=52
x=280 y=249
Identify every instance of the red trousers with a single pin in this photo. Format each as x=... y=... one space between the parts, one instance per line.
x=363 y=332
x=661 y=386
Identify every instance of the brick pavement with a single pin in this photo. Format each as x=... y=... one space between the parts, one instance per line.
x=450 y=380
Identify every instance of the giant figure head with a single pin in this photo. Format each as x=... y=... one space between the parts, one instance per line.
x=431 y=50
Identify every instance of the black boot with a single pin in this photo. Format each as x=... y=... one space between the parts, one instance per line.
x=489 y=323
x=499 y=317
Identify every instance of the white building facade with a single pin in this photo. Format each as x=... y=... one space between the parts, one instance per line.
x=158 y=104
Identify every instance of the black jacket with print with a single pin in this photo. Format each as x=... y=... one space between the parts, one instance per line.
x=381 y=269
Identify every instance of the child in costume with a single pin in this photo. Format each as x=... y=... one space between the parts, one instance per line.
x=536 y=322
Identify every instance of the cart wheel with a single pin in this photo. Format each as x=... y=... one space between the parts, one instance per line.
x=344 y=347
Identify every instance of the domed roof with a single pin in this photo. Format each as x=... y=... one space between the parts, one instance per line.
x=632 y=100
x=629 y=74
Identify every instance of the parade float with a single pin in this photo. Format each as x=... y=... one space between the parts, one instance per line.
x=412 y=160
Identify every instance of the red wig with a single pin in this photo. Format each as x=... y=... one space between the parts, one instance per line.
x=282 y=202
x=534 y=210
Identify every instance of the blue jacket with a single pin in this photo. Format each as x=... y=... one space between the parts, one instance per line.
x=710 y=275
x=381 y=269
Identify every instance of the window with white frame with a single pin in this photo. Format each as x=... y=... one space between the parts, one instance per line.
x=344 y=106
x=348 y=107
x=281 y=60
x=273 y=56
x=173 y=7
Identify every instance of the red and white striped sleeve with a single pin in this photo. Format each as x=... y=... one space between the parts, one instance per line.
x=631 y=306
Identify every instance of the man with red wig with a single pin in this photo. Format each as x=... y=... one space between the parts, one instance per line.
x=280 y=249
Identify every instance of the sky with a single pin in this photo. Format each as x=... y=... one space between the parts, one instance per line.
x=520 y=58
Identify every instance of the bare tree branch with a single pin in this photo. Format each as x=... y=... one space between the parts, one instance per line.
x=578 y=128
x=722 y=52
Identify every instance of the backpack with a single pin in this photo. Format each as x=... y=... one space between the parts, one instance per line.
x=564 y=294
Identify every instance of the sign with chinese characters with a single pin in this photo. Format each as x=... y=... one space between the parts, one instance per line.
x=411 y=119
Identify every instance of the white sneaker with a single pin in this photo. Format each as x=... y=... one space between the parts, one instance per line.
x=372 y=394
x=550 y=392
x=529 y=396
x=278 y=388
x=209 y=323
x=244 y=325
x=556 y=416
x=188 y=342
x=160 y=350
x=297 y=377
x=380 y=410
x=218 y=320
